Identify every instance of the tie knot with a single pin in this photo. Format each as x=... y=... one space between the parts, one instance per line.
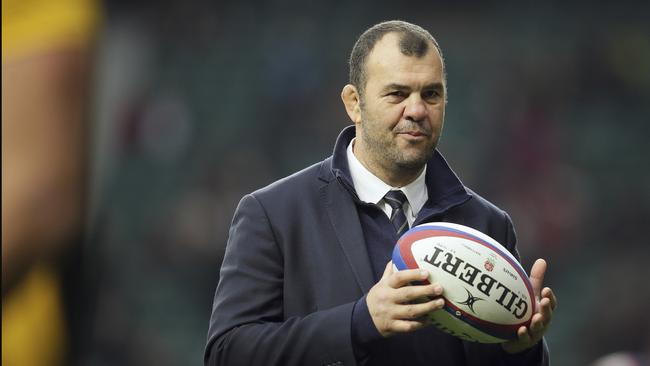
x=395 y=199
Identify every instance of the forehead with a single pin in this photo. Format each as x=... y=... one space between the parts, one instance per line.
x=387 y=64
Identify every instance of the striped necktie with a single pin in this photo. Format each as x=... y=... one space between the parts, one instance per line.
x=396 y=201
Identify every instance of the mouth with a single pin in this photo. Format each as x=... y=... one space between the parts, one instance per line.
x=413 y=134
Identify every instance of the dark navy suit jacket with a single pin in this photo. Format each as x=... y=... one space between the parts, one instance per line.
x=296 y=263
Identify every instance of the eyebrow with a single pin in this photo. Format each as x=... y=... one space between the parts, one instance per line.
x=395 y=86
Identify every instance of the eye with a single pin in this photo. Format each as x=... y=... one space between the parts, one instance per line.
x=430 y=94
x=396 y=96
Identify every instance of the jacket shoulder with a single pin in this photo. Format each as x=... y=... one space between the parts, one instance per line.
x=485 y=216
x=298 y=183
x=480 y=203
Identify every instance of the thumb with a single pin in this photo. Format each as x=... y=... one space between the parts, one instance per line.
x=537 y=273
x=389 y=269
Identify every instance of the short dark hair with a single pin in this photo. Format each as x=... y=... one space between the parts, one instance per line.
x=414 y=41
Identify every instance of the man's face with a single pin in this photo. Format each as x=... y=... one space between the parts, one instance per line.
x=402 y=109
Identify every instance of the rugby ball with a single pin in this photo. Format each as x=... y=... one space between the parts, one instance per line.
x=487 y=293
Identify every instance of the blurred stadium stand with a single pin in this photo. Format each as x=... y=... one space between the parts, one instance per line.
x=198 y=103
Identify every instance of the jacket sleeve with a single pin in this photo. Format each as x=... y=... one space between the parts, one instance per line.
x=248 y=325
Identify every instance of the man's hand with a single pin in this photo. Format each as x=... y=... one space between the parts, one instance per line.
x=546 y=303
x=397 y=306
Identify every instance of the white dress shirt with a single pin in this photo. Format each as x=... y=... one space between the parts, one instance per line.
x=371 y=189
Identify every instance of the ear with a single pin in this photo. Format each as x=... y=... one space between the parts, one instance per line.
x=351 y=100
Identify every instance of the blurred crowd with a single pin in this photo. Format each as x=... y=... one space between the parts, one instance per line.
x=194 y=104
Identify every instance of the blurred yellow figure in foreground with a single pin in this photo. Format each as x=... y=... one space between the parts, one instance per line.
x=47 y=47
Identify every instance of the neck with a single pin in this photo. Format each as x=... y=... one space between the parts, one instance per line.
x=398 y=177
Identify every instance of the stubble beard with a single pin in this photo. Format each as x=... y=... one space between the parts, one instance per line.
x=387 y=155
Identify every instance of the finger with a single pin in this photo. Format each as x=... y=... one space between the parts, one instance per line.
x=402 y=278
x=517 y=345
x=415 y=311
x=417 y=292
x=537 y=273
x=546 y=311
x=548 y=293
x=404 y=326
x=536 y=325
x=524 y=335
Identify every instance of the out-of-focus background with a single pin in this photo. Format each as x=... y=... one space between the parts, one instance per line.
x=192 y=104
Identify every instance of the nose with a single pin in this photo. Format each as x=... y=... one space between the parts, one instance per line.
x=416 y=109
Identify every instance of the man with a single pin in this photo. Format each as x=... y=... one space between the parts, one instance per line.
x=306 y=278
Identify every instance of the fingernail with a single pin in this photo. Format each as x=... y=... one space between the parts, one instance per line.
x=424 y=273
x=441 y=302
x=437 y=290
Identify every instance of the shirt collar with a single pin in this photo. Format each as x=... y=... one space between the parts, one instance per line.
x=444 y=189
x=371 y=189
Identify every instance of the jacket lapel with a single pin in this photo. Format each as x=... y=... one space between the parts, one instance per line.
x=342 y=213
